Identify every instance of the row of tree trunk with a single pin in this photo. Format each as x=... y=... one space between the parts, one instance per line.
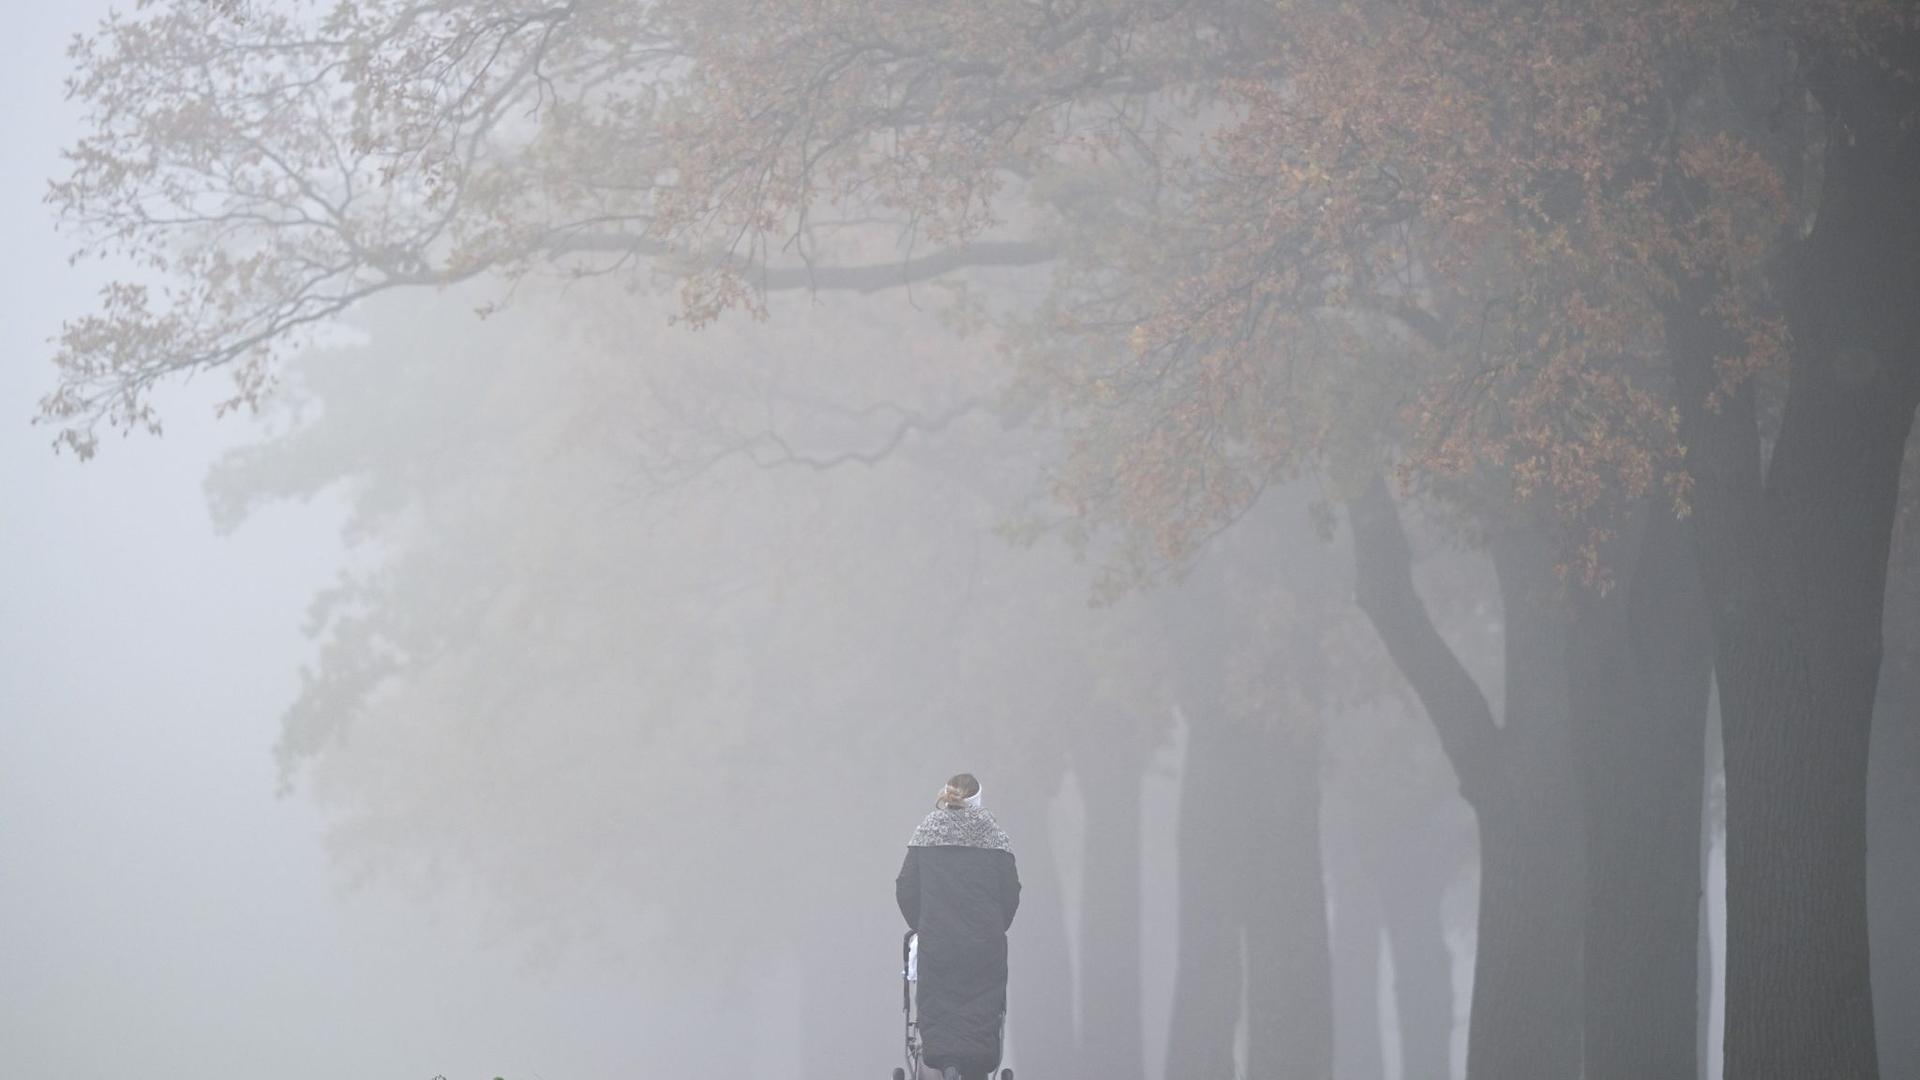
x=1588 y=792
x=1589 y=796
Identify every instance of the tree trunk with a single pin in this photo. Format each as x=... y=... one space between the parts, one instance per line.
x=1794 y=557
x=1040 y=975
x=1709 y=829
x=1531 y=879
x=1412 y=891
x=1798 y=695
x=1893 y=872
x=1526 y=1015
x=1795 y=569
x=1110 y=1017
x=1893 y=800
x=1518 y=777
x=1216 y=792
x=1641 y=660
x=1393 y=854
x=1357 y=923
x=1289 y=991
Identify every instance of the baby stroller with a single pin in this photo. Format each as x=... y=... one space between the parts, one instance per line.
x=910 y=974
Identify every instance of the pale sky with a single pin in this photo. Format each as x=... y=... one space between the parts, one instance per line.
x=162 y=914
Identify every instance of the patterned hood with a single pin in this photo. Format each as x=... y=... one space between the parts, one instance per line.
x=961 y=827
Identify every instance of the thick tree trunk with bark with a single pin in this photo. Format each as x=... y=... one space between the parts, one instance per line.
x=1795 y=581
x=1519 y=779
x=1794 y=560
x=1526 y=1013
x=1799 y=997
x=1794 y=557
x=1532 y=877
x=1111 y=777
x=1641 y=661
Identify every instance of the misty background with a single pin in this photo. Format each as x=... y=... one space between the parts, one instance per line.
x=536 y=685
x=162 y=912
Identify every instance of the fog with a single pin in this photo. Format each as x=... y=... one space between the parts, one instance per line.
x=162 y=912
x=515 y=510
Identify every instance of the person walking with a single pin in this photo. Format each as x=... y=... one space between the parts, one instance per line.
x=959 y=888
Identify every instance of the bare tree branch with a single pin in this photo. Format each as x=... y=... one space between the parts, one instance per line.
x=865 y=279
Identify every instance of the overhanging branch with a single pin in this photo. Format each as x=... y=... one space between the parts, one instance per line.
x=862 y=278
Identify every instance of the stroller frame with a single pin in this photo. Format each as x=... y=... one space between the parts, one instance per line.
x=910 y=1009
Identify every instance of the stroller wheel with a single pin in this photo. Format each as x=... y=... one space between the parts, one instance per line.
x=899 y=1073
x=1006 y=1074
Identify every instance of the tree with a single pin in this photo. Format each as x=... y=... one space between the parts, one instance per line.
x=1555 y=202
x=1641 y=666
x=1254 y=646
x=1794 y=554
x=1570 y=163
x=684 y=584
